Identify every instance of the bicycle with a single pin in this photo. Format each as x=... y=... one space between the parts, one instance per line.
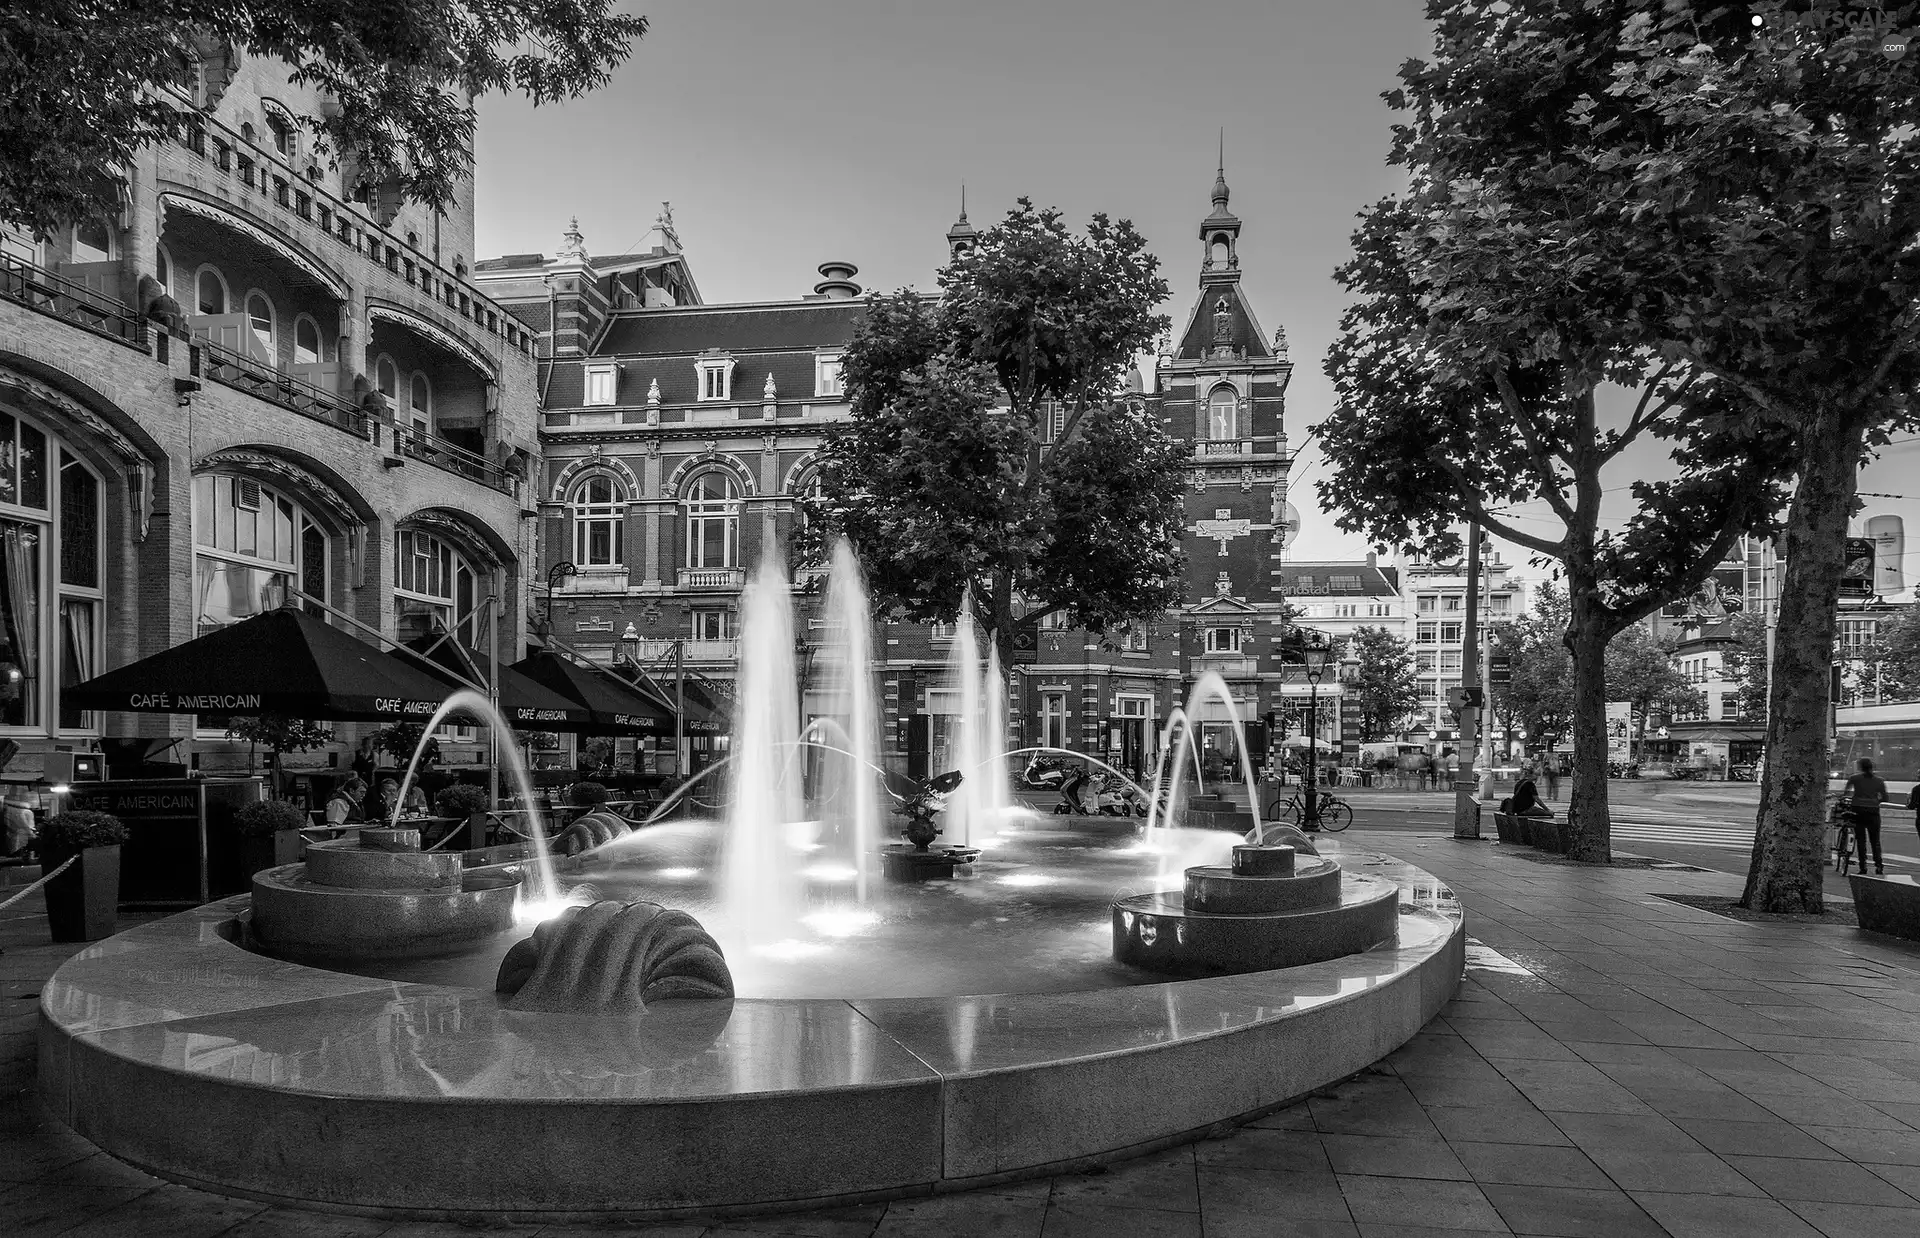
x=1840 y=816
x=1335 y=813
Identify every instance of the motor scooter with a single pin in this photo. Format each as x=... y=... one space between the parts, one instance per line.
x=1043 y=773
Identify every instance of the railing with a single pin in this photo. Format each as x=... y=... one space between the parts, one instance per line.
x=47 y=293
x=712 y=578
x=661 y=651
x=434 y=450
x=261 y=172
x=1232 y=665
x=1238 y=447
x=260 y=379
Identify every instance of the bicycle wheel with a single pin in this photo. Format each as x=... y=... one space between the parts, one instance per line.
x=1335 y=815
x=1283 y=810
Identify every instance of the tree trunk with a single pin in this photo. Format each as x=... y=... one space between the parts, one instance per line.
x=1789 y=845
x=1589 y=830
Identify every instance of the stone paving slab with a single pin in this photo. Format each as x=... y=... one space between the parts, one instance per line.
x=1615 y=1064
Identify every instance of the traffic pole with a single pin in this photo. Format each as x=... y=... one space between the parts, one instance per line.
x=1466 y=798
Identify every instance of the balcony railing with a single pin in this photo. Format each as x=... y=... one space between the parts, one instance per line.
x=658 y=651
x=276 y=186
x=1237 y=447
x=712 y=577
x=260 y=379
x=1232 y=665
x=432 y=449
x=42 y=290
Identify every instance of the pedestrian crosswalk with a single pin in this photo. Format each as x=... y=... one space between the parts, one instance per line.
x=1729 y=838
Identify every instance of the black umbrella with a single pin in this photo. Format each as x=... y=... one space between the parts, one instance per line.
x=617 y=709
x=704 y=715
x=281 y=662
x=528 y=704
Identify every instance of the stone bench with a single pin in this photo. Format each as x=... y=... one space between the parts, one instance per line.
x=1544 y=833
x=1889 y=905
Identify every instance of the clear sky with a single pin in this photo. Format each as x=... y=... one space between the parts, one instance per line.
x=789 y=133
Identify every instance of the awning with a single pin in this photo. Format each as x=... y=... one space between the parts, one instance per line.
x=616 y=708
x=282 y=662
x=527 y=704
x=1713 y=734
x=704 y=714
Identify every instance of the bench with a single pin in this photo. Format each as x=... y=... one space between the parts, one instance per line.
x=1544 y=833
x=1889 y=905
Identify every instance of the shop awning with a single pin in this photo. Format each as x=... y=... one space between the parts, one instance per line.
x=282 y=662
x=528 y=705
x=1714 y=734
x=704 y=714
x=616 y=708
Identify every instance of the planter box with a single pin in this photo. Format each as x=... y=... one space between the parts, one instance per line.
x=274 y=850
x=83 y=903
x=1888 y=905
x=1503 y=827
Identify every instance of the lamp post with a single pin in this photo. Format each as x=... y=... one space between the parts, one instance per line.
x=1315 y=654
x=555 y=574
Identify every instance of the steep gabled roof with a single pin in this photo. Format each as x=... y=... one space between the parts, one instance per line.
x=1196 y=341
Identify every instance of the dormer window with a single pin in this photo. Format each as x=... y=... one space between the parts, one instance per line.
x=716 y=378
x=827 y=380
x=601 y=383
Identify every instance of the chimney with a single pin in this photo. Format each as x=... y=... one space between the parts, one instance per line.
x=836 y=282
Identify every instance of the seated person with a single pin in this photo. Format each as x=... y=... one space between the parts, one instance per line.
x=344 y=806
x=1526 y=801
x=415 y=803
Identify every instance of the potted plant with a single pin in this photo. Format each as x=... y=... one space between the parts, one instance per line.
x=466 y=802
x=279 y=735
x=587 y=794
x=269 y=835
x=83 y=903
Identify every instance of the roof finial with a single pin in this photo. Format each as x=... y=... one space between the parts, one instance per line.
x=963 y=201
x=1220 y=176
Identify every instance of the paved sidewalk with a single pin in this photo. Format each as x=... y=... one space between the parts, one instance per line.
x=1616 y=1065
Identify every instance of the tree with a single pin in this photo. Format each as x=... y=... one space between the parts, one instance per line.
x=279 y=735
x=1492 y=309
x=1385 y=687
x=1744 y=661
x=84 y=86
x=1640 y=671
x=1776 y=172
x=944 y=478
x=1539 y=696
x=1892 y=664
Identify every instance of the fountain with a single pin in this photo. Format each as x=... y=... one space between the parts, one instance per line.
x=698 y=1001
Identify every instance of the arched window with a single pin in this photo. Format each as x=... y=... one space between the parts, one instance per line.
x=260 y=319
x=420 y=403
x=387 y=378
x=307 y=347
x=210 y=291
x=713 y=520
x=433 y=586
x=286 y=137
x=250 y=542
x=50 y=578
x=1223 y=413
x=599 y=522
x=163 y=269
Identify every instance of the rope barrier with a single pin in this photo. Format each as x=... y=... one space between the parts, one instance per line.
x=65 y=865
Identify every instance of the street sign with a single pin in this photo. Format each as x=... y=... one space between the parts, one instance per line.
x=1500 y=667
x=1856 y=578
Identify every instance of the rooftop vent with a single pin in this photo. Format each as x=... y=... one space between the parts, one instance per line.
x=836 y=283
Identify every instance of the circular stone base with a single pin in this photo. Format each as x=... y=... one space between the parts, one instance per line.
x=296 y=918
x=360 y=1094
x=1160 y=933
x=1218 y=890
x=907 y=864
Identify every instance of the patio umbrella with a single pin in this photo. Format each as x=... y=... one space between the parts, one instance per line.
x=704 y=716
x=528 y=704
x=282 y=662
x=616 y=708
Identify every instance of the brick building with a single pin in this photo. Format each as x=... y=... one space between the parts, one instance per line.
x=258 y=373
x=678 y=435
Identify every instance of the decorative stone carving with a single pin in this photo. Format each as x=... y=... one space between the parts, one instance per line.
x=573 y=245
x=310 y=485
x=1222 y=321
x=613 y=958
x=446 y=339
x=595 y=829
x=768 y=392
x=1223 y=586
x=334 y=285
x=653 y=391
x=1280 y=342
x=564 y=479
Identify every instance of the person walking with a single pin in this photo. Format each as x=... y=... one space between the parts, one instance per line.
x=1550 y=768
x=1913 y=800
x=1866 y=791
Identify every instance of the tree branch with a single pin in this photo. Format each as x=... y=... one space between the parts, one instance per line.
x=1550 y=485
x=1478 y=510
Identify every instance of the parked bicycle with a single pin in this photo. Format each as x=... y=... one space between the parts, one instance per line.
x=1334 y=813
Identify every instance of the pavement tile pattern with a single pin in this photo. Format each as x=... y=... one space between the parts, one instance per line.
x=1616 y=1065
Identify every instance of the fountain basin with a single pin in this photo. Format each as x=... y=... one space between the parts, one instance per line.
x=1161 y=933
x=1220 y=890
x=348 y=862
x=360 y=1093
x=904 y=863
x=296 y=917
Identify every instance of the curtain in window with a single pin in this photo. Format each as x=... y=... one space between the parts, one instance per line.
x=76 y=626
x=19 y=549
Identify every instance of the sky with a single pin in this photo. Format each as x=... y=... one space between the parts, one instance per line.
x=791 y=134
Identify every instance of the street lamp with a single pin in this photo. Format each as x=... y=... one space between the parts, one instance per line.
x=555 y=574
x=1315 y=654
x=630 y=645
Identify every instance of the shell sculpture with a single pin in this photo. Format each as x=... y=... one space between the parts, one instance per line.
x=593 y=830
x=1278 y=832
x=610 y=958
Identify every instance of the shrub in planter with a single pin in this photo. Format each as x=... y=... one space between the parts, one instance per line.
x=267 y=818
x=587 y=794
x=462 y=799
x=269 y=836
x=83 y=902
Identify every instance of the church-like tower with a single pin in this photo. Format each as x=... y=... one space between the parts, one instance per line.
x=1222 y=388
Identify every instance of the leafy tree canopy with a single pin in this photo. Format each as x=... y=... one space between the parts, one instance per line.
x=1539 y=696
x=1385 y=686
x=1893 y=663
x=83 y=86
x=945 y=478
x=1640 y=671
